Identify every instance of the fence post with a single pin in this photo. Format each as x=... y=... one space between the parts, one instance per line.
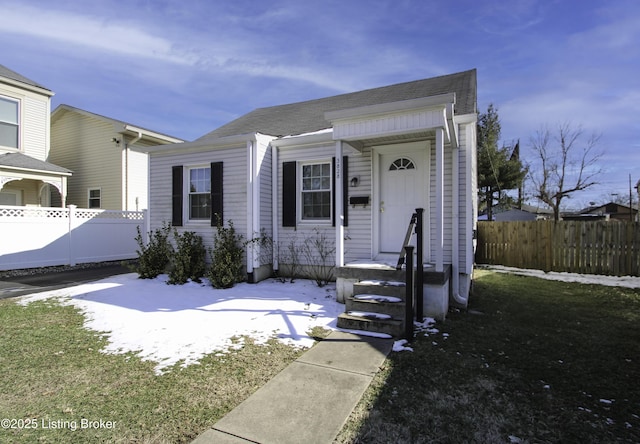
x=408 y=303
x=72 y=214
x=147 y=226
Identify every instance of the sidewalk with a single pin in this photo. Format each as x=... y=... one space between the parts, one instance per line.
x=310 y=400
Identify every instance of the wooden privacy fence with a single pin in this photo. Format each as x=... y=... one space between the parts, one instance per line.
x=598 y=247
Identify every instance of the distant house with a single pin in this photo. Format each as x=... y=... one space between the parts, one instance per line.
x=524 y=213
x=27 y=178
x=608 y=211
x=353 y=167
x=108 y=174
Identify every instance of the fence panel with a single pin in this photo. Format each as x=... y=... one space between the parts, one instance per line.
x=38 y=236
x=590 y=247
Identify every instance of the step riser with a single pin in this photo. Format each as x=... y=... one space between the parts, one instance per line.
x=394 y=309
x=383 y=290
x=391 y=327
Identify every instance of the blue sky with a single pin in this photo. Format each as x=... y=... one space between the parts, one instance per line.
x=185 y=67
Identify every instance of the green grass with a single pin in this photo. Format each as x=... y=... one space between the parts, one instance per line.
x=53 y=373
x=535 y=360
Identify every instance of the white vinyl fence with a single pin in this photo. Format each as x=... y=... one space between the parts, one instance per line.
x=39 y=236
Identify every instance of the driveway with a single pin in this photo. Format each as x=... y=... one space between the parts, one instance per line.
x=38 y=282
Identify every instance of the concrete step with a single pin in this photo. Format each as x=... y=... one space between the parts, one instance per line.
x=393 y=327
x=380 y=287
x=390 y=305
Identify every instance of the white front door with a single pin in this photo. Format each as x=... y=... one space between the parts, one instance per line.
x=403 y=176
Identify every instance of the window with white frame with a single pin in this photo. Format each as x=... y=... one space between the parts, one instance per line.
x=200 y=193
x=95 y=198
x=9 y=123
x=316 y=191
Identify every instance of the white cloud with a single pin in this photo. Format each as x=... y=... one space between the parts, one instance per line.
x=94 y=33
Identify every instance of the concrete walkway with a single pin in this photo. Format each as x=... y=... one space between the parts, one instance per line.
x=310 y=400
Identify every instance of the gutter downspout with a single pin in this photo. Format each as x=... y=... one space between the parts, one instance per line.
x=455 y=223
x=250 y=207
x=274 y=207
x=126 y=168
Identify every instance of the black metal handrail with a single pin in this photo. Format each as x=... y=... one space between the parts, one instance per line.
x=413 y=291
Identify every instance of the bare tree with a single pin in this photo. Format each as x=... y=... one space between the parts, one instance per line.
x=567 y=162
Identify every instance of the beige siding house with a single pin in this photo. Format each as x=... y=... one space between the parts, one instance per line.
x=26 y=175
x=108 y=174
x=352 y=167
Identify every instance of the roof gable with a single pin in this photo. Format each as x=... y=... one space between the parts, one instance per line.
x=12 y=75
x=309 y=116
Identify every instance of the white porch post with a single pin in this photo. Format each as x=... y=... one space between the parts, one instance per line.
x=439 y=237
x=339 y=213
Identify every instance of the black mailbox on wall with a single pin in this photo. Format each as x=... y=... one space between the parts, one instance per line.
x=359 y=200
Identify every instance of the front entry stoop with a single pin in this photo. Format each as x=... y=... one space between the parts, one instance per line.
x=376 y=306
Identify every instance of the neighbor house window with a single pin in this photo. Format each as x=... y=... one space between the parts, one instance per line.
x=316 y=191
x=95 y=198
x=9 y=127
x=200 y=193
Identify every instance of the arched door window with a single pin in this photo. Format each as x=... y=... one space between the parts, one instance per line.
x=402 y=164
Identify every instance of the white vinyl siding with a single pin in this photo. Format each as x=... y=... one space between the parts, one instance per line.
x=84 y=145
x=35 y=127
x=235 y=188
x=358 y=242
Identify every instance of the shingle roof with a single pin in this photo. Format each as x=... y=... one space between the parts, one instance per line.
x=10 y=74
x=19 y=160
x=306 y=117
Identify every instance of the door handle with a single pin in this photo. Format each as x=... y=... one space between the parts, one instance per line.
x=382 y=207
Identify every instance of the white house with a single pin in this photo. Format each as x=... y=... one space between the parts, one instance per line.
x=26 y=176
x=353 y=166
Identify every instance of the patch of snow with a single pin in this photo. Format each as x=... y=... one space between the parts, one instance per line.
x=377 y=297
x=611 y=281
x=171 y=323
x=606 y=401
x=382 y=283
x=401 y=345
x=368 y=315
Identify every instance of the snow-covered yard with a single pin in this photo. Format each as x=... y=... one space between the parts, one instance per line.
x=172 y=323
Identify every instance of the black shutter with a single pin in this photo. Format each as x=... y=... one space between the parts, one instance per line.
x=216 y=194
x=289 y=215
x=345 y=190
x=176 y=196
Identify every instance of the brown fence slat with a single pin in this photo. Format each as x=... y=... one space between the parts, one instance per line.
x=594 y=247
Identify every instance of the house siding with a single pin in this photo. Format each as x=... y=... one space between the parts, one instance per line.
x=235 y=189
x=358 y=242
x=33 y=120
x=83 y=145
x=297 y=235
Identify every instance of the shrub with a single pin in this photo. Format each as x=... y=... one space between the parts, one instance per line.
x=188 y=262
x=226 y=257
x=319 y=253
x=289 y=254
x=154 y=256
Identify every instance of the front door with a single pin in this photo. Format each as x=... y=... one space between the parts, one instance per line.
x=403 y=188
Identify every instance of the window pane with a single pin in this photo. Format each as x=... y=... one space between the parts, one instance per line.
x=8 y=111
x=200 y=206
x=8 y=135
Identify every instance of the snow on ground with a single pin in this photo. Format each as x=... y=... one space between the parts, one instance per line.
x=169 y=323
x=611 y=281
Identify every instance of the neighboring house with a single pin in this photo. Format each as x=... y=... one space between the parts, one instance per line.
x=608 y=211
x=525 y=213
x=26 y=176
x=353 y=167
x=107 y=173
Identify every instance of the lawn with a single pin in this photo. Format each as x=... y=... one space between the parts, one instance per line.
x=531 y=361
